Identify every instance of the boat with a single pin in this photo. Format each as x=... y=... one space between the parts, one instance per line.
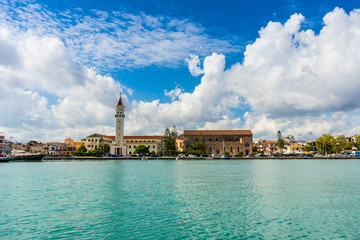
x=28 y=158
x=23 y=158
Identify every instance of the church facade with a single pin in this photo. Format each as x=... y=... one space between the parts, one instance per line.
x=218 y=141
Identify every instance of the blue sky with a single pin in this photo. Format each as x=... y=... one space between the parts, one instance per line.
x=261 y=65
x=237 y=22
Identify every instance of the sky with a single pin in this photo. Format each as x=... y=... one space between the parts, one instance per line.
x=285 y=65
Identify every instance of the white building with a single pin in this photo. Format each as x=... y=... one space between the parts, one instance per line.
x=119 y=146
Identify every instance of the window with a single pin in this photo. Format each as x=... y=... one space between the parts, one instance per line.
x=1 y=141
x=209 y=139
x=246 y=144
x=153 y=146
x=217 y=139
x=196 y=139
x=129 y=146
x=148 y=146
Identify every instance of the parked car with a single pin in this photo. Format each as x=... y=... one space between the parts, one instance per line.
x=355 y=154
x=154 y=155
x=181 y=156
x=127 y=156
x=237 y=156
x=192 y=156
x=215 y=155
x=113 y=155
x=260 y=155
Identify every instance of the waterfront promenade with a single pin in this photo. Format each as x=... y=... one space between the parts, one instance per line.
x=79 y=158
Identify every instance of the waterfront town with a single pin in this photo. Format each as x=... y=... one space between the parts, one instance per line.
x=231 y=143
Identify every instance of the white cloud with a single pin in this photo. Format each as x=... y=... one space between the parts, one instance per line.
x=46 y=94
x=175 y=93
x=291 y=79
x=114 y=40
x=193 y=65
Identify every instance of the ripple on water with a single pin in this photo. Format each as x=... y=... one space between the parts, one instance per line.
x=180 y=200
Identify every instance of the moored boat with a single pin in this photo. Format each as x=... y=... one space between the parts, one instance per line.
x=24 y=158
x=29 y=158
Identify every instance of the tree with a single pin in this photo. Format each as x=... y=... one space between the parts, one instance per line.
x=280 y=141
x=340 y=143
x=308 y=147
x=81 y=151
x=169 y=140
x=199 y=147
x=141 y=149
x=357 y=141
x=325 y=143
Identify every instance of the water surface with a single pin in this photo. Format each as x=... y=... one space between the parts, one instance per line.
x=159 y=199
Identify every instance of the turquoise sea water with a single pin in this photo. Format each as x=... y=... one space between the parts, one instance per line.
x=250 y=199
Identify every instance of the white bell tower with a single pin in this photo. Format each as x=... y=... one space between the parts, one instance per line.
x=120 y=146
x=120 y=118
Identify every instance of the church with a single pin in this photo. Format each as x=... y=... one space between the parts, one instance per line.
x=122 y=144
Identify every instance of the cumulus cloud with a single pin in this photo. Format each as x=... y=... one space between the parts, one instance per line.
x=46 y=94
x=293 y=72
x=291 y=79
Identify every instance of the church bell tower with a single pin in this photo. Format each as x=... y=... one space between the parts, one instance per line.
x=120 y=118
x=119 y=147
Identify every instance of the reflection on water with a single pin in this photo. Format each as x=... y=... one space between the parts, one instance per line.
x=261 y=199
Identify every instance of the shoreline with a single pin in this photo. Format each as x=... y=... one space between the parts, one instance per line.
x=89 y=158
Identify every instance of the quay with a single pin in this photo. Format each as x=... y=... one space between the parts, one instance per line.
x=89 y=158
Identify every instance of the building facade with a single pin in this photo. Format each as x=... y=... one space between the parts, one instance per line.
x=55 y=148
x=93 y=141
x=3 y=145
x=218 y=141
x=154 y=143
x=35 y=146
x=71 y=145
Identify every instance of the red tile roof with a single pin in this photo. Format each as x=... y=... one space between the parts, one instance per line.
x=143 y=137
x=217 y=132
